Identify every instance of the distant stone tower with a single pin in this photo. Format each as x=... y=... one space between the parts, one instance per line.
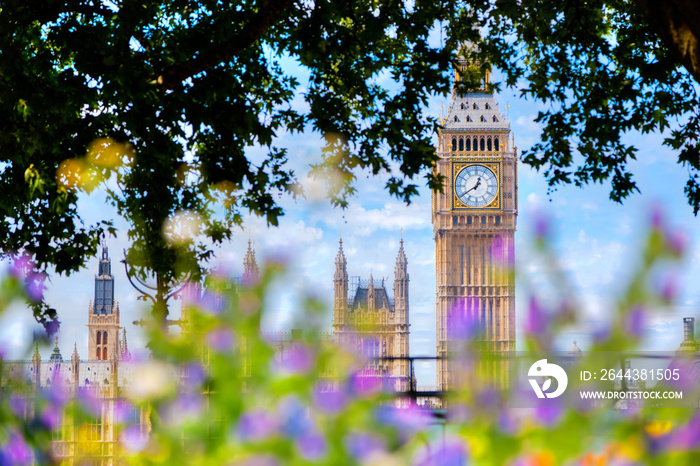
x=103 y=316
x=368 y=321
x=474 y=219
x=251 y=272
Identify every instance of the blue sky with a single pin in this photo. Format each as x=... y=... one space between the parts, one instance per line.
x=595 y=239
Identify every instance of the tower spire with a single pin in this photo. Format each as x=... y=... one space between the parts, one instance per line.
x=251 y=272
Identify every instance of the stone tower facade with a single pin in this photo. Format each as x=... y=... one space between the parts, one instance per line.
x=103 y=315
x=474 y=219
x=368 y=321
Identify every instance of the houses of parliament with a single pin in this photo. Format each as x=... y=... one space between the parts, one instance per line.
x=474 y=221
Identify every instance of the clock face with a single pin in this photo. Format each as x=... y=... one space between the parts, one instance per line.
x=476 y=186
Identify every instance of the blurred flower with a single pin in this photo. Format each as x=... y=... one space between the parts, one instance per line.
x=15 y=451
x=548 y=411
x=123 y=411
x=220 y=339
x=365 y=381
x=536 y=325
x=364 y=445
x=295 y=420
x=52 y=327
x=635 y=321
x=412 y=418
x=686 y=437
x=331 y=402
x=256 y=424
x=186 y=407
x=450 y=451
x=133 y=439
x=258 y=460
x=51 y=416
x=151 y=380
x=464 y=325
x=297 y=359
x=195 y=375
x=311 y=445
x=669 y=287
x=18 y=404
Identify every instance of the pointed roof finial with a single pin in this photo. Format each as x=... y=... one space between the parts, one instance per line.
x=36 y=357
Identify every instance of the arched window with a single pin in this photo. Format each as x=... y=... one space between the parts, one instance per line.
x=469 y=119
x=488 y=144
x=99 y=353
x=495 y=144
x=99 y=338
x=481 y=144
x=483 y=119
x=476 y=107
x=461 y=144
x=469 y=143
x=104 y=338
x=104 y=353
x=454 y=144
x=456 y=119
x=371 y=347
x=461 y=106
x=487 y=106
x=469 y=220
x=495 y=119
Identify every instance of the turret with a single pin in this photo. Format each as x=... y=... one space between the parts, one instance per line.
x=689 y=344
x=401 y=285
x=75 y=368
x=370 y=293
x=251 y=272
x=340 y=286
x=104 y=285
x=36 y=367
x=125 y=354
x=114 y=375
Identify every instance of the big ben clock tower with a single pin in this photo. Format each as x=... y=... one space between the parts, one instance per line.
x=474 y=224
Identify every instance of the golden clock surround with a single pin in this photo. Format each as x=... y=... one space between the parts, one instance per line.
x=493 y=164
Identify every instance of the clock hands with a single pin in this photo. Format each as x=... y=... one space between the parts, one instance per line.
x=478 y=182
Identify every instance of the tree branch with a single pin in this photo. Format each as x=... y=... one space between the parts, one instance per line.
x=677 y=22
x=268 y=13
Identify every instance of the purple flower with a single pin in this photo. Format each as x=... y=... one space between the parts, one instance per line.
x=542 y=227
x=220 y=339
x=297 y=359
x=195 y=375
x=330 y=402
x=364 y=445
x=677 y=242
x=51 y=416
x=133 y=439
x=536 y=323
x=366 y=381
x=185 y=407
x=16 y=451
x=256 y=424
x=634 y=321
x=686 y=437
x=669 y=287
x=311 y=445
x=18 y=404
x=412 y=418
x=548 y=413
x=51 y=327
x=123 y=412
x=295 y=422
x=464 y=324
x=450 y=451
